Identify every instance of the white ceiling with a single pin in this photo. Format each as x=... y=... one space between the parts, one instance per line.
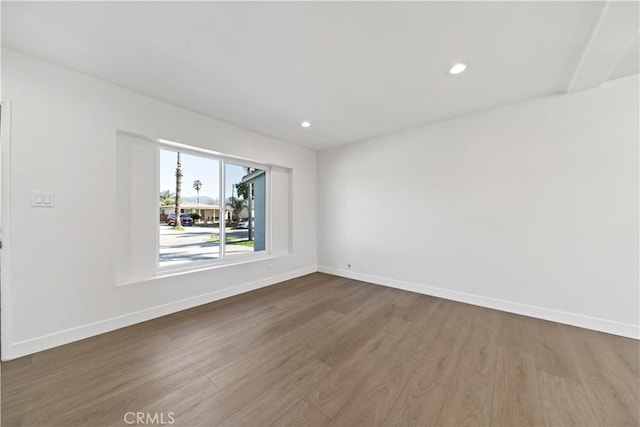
x=355 y=70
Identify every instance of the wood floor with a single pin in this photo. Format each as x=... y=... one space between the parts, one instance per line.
x=322 y=350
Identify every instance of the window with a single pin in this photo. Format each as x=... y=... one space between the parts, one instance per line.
x=230 y=210
x=210 y=208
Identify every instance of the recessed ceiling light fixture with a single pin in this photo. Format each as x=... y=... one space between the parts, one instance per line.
x=457 y=68
x=305 y=124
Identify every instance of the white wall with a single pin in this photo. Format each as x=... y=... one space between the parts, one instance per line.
x=59 y=266
x=530 y=208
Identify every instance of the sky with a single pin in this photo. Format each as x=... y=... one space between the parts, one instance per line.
x=195 y=167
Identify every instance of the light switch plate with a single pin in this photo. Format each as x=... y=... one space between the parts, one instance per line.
x=42 y=199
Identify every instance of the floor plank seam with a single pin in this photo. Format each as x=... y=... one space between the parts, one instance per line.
x=580 y=374
x=214 y=384
x=544 y=412
x=314 y=406
x=455 y=371
x=493 y=391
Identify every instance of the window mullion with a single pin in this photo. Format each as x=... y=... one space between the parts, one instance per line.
x=223 y=209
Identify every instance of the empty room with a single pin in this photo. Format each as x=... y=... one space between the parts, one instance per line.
x=320 y=213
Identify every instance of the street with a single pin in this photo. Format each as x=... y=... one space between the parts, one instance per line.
x=197 y=244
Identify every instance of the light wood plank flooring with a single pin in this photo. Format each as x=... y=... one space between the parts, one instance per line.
x=322 y=350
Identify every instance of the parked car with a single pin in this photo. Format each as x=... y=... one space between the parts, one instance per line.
x=184 y=219
x=245 y=223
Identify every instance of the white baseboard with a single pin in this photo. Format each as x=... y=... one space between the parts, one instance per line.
x=34 y=345
x=616 y=328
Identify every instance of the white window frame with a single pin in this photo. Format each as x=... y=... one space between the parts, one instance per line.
x=223 y=159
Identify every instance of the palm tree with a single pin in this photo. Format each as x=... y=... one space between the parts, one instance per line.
x=197 y=184
x=167 y=198
x=178 y=223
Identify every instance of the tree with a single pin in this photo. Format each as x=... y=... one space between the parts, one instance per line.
x=242 y=188
x=236 y=206
x=178 y=223
x=248 y=190
x=167 y=198
x=197 y=184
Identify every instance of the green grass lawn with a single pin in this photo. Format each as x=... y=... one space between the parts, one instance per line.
x=231 y=241
x=247 y=243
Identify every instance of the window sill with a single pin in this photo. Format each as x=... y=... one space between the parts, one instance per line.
x=184 y=270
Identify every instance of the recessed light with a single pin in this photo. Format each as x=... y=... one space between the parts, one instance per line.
x=305 y=124
x=458 y=68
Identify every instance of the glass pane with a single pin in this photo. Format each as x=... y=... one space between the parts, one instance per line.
x=245 y=230
x=194 y=234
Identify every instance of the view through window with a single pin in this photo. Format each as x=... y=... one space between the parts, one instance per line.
x=200 y=207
